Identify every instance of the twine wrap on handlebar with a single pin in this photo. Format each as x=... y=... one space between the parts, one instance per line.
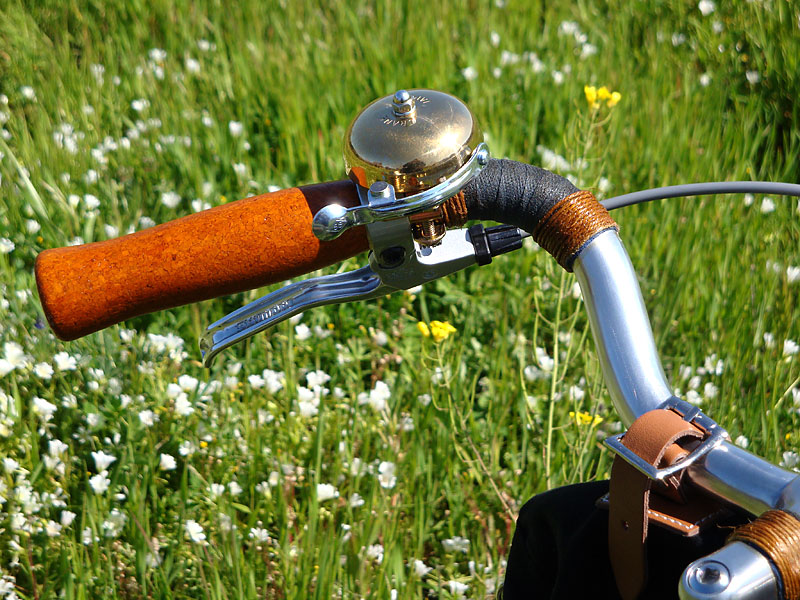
x=776 y=534
x=560 y=217
x=570 y=225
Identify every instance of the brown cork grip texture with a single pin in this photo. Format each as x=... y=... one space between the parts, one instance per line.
x=238 y=246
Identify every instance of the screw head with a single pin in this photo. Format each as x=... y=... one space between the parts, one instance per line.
x=380 y=189
x=709 y=577
x=403 y=104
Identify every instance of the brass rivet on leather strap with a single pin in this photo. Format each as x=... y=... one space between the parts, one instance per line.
x=571 y=223
x=776 y=534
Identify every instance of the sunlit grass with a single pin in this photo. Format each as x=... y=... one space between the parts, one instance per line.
x=289 y=485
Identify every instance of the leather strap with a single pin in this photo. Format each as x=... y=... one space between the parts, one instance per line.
x=654 y=437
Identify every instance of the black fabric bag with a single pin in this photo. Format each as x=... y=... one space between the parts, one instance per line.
x=560 y=549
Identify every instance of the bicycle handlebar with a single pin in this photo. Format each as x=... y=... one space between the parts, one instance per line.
x=238 y=246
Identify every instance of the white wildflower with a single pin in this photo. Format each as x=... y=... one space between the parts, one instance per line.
x=790 y=347
x=355 y=500
x=6 y=246
x=767 y=205
x=148 y=418
x=65 y=362
x=102 y=460
x=469 y=73
x=420 y=568
x=187 y=448
x=545 y=362
x=386 y=475
x=456 y=544
x=325 y=491
x=140 y=104
x=317 y=378
x=375 y=552
x=753 y=77
x=194 y=531
x=705 y=79
x=792 y=274
x=790 y=459
x=749 y=199
x=302 y=332
x=274 y=380
x=167 y=462
x=43 y=408
x=43 y=370
x=742 y=441
x=379 y=395
x=28 y=92
x=694 y=398
x=706 y=7
x=235 y=128
x=170 y=199
x=100 y=482
x=192 y=65
x=234 y=488
x=259 y=534
x=457 y=589
x=67 y=517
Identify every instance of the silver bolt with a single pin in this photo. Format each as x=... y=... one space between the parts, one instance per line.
x=403 y=104
x=380 y=189
x=709 y=577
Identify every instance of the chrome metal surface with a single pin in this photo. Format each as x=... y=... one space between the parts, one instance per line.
x=715 y=435
x=744 y=480
x=621 y=328
x=734 y=572
x=332 y=220
x=286 y=302
x=403 y=105
x=396 y=262
x=413 y=139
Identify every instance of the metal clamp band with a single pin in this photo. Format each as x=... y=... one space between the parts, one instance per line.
x=715 y=435
x=333 y=220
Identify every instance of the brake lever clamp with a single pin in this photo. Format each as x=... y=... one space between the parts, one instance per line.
x=396 y=262
x=410 y=155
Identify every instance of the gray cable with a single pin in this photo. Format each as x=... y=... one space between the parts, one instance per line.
x=703 y=189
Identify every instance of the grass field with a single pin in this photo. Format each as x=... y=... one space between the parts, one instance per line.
x=346 y=455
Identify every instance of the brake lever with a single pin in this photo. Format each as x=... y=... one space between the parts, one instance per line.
x=283 y=304
x=396 y=262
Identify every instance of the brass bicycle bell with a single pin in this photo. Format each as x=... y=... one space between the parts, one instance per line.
x=414 y=140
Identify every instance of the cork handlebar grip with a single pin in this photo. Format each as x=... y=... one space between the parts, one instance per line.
x=238 y=246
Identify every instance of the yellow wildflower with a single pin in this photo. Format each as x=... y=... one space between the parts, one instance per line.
x=441 y=330
x=591 y=95
x=603 y=93
x=584 y=418
x=615 y=97
x=423 y=328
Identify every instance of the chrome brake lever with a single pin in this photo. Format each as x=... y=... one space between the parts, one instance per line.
x=283 y=304
x=410 y=265
x=396 y=262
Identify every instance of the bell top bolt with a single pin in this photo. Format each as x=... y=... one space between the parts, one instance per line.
x=403 y=104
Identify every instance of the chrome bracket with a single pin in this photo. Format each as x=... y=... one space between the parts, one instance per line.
x=333 y=220
x=691 y=414
x=396 y=262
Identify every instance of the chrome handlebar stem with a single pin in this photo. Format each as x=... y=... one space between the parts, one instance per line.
x=635 y=379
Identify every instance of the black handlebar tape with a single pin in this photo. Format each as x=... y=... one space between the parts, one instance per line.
x=515 y=193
